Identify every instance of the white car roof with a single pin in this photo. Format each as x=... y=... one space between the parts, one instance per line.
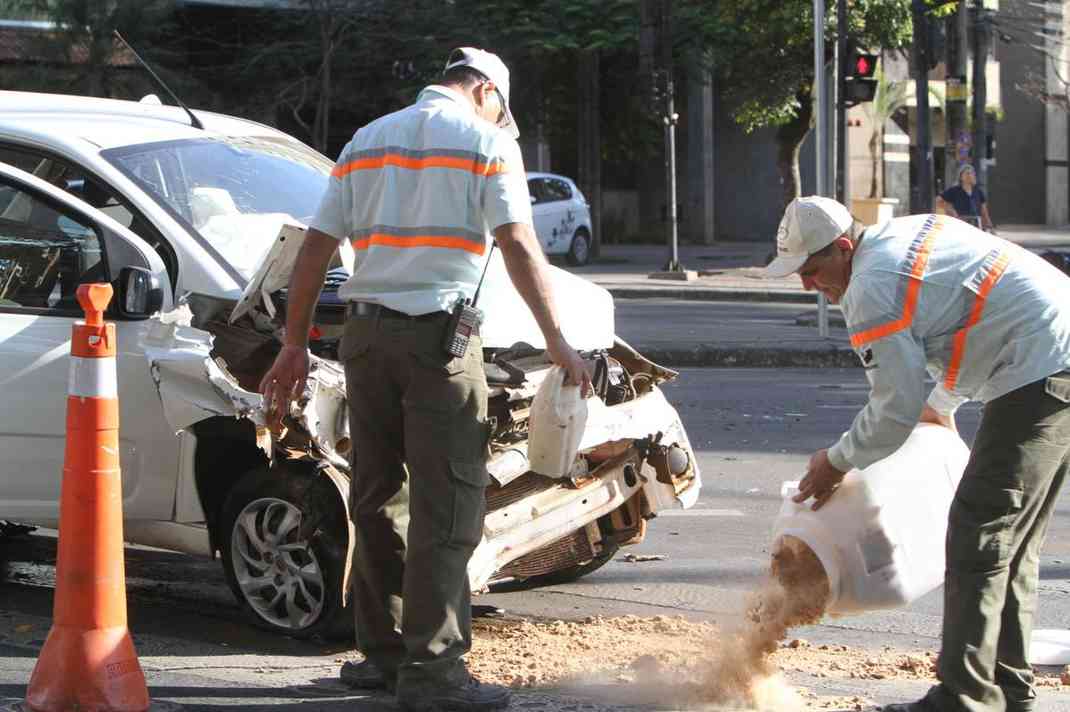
x=109 y=123
x=536 y=174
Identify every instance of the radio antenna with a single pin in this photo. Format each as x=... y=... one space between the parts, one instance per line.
x=192 y=119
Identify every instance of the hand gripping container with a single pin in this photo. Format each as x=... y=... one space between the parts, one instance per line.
x=881 y=537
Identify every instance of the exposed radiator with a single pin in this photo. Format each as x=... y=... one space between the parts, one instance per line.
x=527 y=484
x=572 y=550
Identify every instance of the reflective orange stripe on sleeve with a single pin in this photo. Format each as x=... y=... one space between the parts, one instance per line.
x=482 y=168
x=405 y=241
x=958 y=347
x=910 y=303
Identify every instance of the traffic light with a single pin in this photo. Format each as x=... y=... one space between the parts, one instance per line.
x=859 y=70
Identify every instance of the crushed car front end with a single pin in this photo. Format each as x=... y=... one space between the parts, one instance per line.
x=634 y=459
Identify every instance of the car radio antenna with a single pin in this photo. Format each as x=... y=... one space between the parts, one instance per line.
x=193 y=119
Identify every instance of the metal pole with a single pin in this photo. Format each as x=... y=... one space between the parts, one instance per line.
x=842 y=146
x=670 y=175
x=821 y=142
x=820 y=96
x=921 y=91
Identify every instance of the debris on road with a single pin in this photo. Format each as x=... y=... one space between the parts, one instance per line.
x=674 y=660
x=640 y=558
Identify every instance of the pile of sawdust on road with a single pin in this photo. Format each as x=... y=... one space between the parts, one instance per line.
x=697 y=662
x=630 y=649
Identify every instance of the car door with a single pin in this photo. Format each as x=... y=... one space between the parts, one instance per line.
x=542 y=215
x=559 y=198
x=50 y=243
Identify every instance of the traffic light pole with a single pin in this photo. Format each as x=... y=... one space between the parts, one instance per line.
x=821 y=143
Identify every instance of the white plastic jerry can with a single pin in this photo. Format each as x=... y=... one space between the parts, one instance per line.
x=557 y=421
x=880 y=537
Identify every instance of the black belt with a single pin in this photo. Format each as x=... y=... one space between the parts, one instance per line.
x=368 y=310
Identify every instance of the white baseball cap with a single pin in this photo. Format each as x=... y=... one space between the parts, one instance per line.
x=809 y=225
x=491 y=67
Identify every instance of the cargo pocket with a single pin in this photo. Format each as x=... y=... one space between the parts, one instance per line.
x=442 y=362
x=469 y=481
x=356 y=339
x=981 y=527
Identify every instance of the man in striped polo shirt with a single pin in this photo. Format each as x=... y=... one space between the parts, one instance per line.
x=421 y=193
x=987 y=321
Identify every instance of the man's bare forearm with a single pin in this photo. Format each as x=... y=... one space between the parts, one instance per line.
x=306 y=283
x=526 y=265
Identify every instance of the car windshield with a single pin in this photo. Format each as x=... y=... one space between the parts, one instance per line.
x=232 y=193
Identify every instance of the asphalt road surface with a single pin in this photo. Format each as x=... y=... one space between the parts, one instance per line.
x=752 y=430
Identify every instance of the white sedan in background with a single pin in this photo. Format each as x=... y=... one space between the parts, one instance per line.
x=562 y=217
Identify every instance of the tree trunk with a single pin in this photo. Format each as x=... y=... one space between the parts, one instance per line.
x=875 y=141
x=956 y=131
x=590 y=140
x=789 y=139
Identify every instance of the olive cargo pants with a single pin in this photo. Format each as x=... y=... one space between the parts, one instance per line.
x=998 y=520
x=419 y=434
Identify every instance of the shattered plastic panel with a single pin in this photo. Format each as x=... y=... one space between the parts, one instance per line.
x=194 y=387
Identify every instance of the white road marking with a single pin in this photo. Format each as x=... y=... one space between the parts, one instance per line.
x=700 y=512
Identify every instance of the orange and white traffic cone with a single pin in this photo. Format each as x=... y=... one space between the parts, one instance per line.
x=88 y=662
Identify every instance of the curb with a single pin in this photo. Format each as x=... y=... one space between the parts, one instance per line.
x=703 y=355
x=712 y=294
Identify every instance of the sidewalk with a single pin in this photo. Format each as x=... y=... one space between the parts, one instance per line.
x=731 y=271
x=716 y=335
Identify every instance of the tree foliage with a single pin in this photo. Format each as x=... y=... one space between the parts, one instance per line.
x=83 y=40
x=763 y=50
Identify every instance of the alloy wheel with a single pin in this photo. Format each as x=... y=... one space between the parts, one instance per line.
x=275 y=567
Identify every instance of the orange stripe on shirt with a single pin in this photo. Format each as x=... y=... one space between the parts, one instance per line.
x=406 y=241
x=958 y=348
x=492 y=168
x=910 y=304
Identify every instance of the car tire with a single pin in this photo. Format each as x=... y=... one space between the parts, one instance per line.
x=288 y=578
x=579 y=252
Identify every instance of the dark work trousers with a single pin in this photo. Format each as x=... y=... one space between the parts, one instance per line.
x=418 y=426
x=997 y=525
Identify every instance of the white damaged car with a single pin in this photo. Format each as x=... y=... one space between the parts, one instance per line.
x=197 y=228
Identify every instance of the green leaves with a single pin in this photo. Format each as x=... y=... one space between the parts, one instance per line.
x=762 y=50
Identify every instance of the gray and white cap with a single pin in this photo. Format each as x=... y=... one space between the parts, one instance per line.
x=809 y=225
x=493 y=68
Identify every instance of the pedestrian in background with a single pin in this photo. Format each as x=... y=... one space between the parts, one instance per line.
x=966 y=200
x=421 y=193
x=989 y=321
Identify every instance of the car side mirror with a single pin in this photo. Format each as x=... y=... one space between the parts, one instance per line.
x=140 y=294
x=533 y=199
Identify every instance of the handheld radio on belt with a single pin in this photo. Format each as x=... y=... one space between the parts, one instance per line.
x=465 y=319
